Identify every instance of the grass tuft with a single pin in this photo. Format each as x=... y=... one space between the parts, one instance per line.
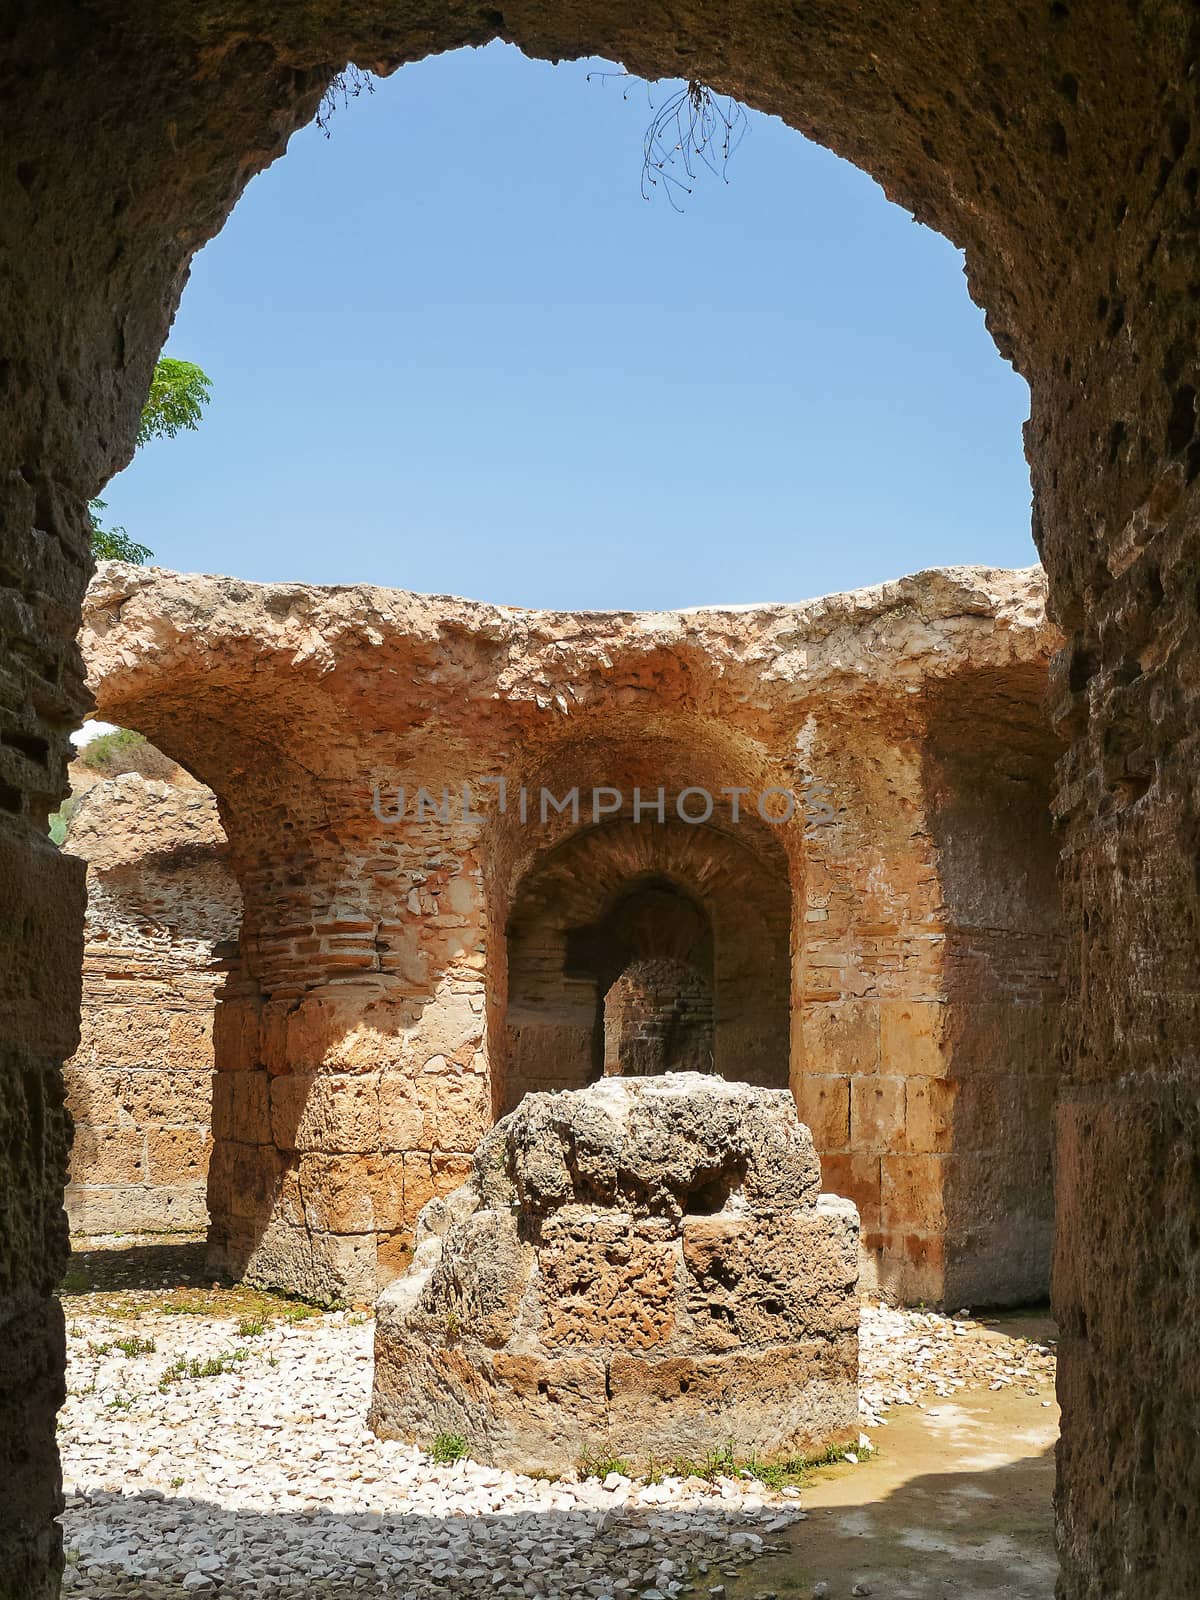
x=448 y=1448
x=194 y=1367
x=134 y=1345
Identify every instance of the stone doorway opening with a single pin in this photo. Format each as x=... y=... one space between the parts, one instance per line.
x=652 y=961
x=635 y=949
x=658 y=1018
x=161 y=952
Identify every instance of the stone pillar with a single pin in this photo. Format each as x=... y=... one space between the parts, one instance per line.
x=870 y=973
x=929 y=954
x=353 y=1080
x=42 y=576
x=1127 y=1239
x=635 y=1269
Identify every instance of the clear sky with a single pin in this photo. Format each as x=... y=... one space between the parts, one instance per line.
x=454 y=350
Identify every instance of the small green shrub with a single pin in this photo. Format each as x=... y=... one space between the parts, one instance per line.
x=300 y=1312
x=250 y=1327
x=126 y=751
x=599 y=1463
x=448 y=1448
x=60 y=820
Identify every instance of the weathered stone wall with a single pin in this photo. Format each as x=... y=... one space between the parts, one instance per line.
x=931 y=968
x=161 y=936
x=416 y=968
x=658 y=1018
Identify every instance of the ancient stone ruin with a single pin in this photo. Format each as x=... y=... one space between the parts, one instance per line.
x=485 y=851
x=641 y=1270
x=160 y=947
x=1058 y=145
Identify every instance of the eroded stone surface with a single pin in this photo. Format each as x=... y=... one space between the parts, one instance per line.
x=163 y=917
x=642 y=1269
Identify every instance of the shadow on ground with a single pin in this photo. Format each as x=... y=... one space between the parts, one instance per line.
x=954 y=1536
x=170 y=1264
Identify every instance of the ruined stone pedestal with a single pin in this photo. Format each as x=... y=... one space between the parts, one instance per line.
x=641 y=1269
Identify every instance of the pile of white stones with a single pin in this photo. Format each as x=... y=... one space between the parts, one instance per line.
x=261 y=1479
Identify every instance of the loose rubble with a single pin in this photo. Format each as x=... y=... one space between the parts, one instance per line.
x=906 y=1356
x=235 y=1461
x=263 y=1479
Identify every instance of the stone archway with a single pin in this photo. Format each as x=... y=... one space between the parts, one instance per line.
x=695 y=919
x=1058 y=145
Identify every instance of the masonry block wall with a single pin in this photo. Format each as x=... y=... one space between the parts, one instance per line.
x=419 y=952
x=1058 y=146
x=161 y=942
x=930 y=972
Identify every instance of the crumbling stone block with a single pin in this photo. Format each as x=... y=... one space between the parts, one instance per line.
x=642 y=1269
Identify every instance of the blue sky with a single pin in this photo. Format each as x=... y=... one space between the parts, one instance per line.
x=454 y=350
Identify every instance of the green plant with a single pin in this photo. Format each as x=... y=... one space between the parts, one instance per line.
x=177 y=1483
x=98 y=1349
x=135 y=1346
x=797 y=1470
x=123 y=750
x=250 y=1327
x=721 y=1462
x=60 y=819
x=179 y=391
x=120 y=1402
x=448 y=1448
x=114 y=544
x=453 y=1325
x=194 y=1367
x=599 y=1463
x=299 y=1312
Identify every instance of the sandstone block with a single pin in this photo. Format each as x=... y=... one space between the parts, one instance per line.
x=401 y=1115
x=177 y=1156
x=911 y=1191
x=326 y=1111
x=877 y=1113
x=913 y=1038
x=352 y=1194
x=643 y=1266
x=241 y=1107
x=842 y=1038
x=856 y=1175
x=109 y=1155
x=824 y=1106
x=190 y=1040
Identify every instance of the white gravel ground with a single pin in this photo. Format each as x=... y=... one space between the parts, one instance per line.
x=262 y=1479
